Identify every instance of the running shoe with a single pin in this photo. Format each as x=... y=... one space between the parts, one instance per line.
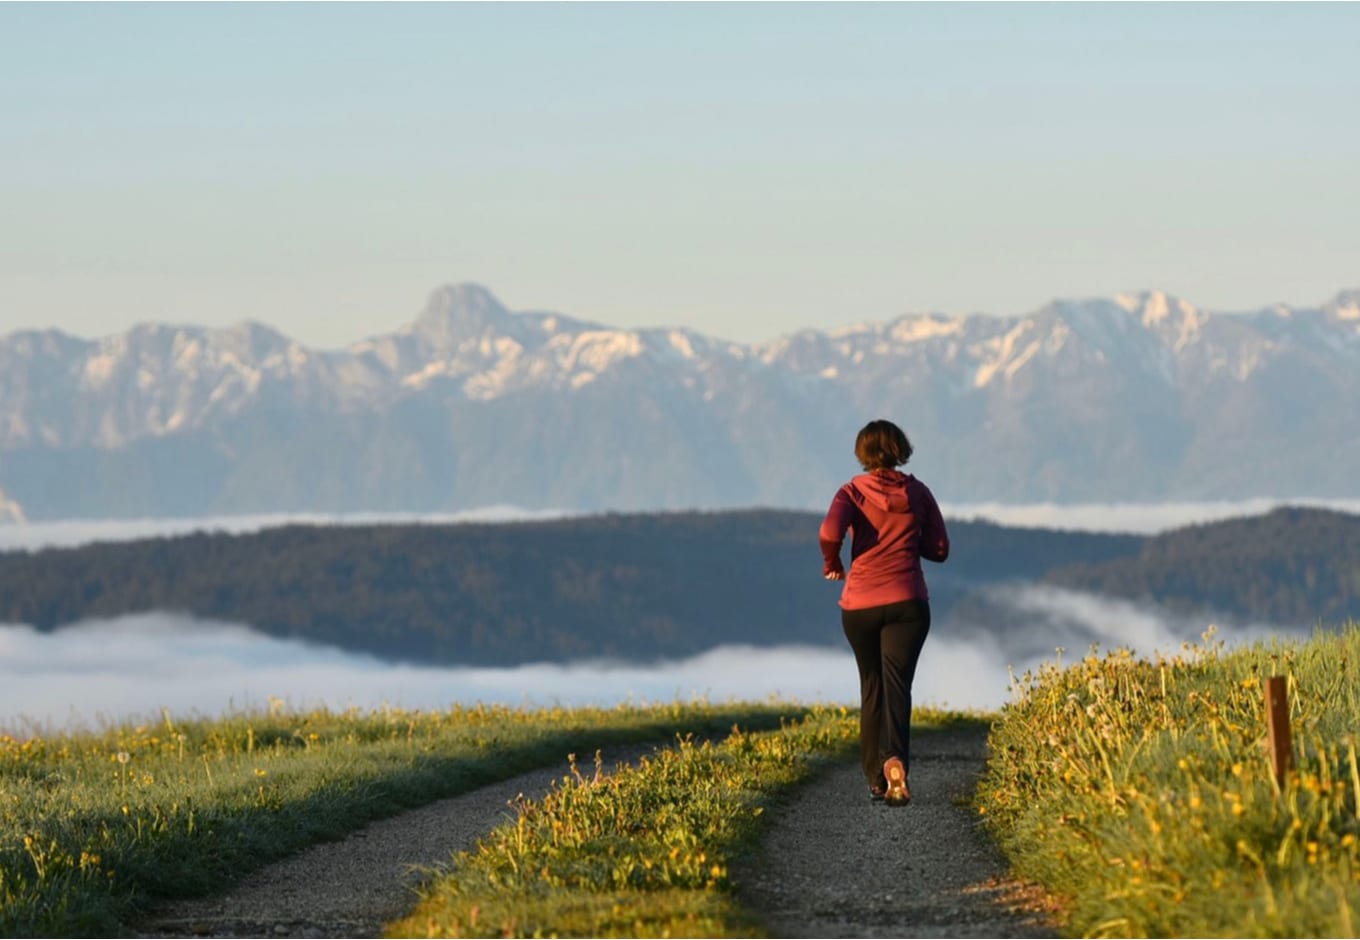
x=896 y=772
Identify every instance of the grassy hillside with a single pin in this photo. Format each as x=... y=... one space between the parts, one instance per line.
x=1141 y=792
x=93 y=827
x=1137 y=790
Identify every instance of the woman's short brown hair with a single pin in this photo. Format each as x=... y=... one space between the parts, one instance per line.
x=881 y=445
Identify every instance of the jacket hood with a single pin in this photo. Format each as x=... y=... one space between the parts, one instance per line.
x=885 y=490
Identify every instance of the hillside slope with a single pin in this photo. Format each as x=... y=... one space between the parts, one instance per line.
x=1294 y=566
x=635 y=586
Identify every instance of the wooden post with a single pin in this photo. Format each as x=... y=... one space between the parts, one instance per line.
x=1277 y=715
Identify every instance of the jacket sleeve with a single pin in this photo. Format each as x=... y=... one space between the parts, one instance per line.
x=832 y=534
x=934 y=536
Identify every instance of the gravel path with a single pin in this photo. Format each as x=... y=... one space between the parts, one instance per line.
x=831 y=865
x=352 y=887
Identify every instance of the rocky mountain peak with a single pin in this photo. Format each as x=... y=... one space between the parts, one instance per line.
x=456 y=313
x=1156 y=307
x=1174 y=321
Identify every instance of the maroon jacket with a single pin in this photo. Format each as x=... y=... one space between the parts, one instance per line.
x=894 y=522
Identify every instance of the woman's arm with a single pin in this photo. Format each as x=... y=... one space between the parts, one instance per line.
x=934 y=536
x=832 y=534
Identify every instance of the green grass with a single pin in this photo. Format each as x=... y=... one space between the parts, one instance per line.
x=641 y=852
x=94 y=826
x=1141 y=791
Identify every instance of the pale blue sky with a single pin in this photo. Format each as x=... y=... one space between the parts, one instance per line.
x=745 y=170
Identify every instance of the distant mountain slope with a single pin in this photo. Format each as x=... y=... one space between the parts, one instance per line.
x=1290 y=566
x=639 y=587
x=1142 y=397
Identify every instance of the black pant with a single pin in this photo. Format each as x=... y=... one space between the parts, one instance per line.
x=887 y=642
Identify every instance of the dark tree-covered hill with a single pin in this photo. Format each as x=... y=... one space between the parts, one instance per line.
x=1294 y=566
x=628 y=586
x=642 y=587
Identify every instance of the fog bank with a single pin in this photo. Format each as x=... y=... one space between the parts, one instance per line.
x=68 y=533
x=100 y=671
x=1136 y=518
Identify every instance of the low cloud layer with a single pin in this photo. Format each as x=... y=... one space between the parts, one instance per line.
x=1044 y=619
x=68 y=533
x=1137 y=518
x=98 y=672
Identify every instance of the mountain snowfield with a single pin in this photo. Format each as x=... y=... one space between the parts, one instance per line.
x=1143 y=397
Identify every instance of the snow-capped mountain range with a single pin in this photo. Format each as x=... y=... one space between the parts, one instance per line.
x=1139 y=397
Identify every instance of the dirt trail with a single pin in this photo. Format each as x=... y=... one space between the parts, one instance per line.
x=832 y=864
x=352 y=887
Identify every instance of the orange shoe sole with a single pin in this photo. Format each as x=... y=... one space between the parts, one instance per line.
x=898 y=794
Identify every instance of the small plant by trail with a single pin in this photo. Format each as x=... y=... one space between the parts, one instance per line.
x=1142 y=792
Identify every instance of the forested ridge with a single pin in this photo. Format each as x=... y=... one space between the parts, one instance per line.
x=635 y=586
x=644 y=586
x=1293 y=565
